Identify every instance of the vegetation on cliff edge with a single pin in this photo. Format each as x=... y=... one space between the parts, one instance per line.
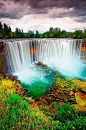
x=19 y=112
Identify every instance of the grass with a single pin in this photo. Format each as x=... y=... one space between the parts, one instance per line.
x=18 y=112
x=66 y=115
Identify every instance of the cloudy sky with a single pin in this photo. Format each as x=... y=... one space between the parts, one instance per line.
x=42 y=14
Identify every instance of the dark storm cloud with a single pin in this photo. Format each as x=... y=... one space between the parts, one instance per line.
x=56 y=3
x=1 y=5
x=77 y=4
x=16 y=9
x=42 y=7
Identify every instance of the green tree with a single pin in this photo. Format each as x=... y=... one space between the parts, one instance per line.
x=1 y=30
x=11 y=34
x=1 y=26
x=46 y=36
x=51 y=29
x=51 y=35
x=18 y=33
x=6 y=31
x=1 y=36
x=5 y=28
x=31 y=33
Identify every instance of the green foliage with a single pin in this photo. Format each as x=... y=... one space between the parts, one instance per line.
x=5 y=32
x=13 y=99
x=64 y=112
x=17 y=113
x=65 y=83
x=18 y=33
x=66 y=116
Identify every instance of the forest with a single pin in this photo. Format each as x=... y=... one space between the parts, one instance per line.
x=6 y=33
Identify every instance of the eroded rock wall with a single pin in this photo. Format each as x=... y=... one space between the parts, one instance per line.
x=3 y=63
x=83 y=50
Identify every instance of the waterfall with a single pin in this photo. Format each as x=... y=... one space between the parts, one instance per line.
x=60 y=54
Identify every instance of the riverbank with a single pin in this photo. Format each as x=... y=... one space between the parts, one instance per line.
x=63 y=107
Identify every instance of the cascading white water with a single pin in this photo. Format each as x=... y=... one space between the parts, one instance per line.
x=60 y=54
x=18 y=55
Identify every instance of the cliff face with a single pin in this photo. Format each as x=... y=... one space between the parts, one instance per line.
x=83 y=50
x=3 y=63
x=4 y=66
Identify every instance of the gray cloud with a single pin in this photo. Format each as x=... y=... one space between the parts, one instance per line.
x=1 y=5
x=81 y=19
x=19 y=8
x=16 y=9
x=77 y=4
x=40 y=4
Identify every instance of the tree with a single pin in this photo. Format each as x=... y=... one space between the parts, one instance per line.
x=1 y=30
x=1 y=36
x=51 y=29
x=9 y=29
x=41 y=36
x=37 y=33
x=57 y=29
x=22 y=34
x=84 y=34
x=46 y=36
x=18 y=32
x=5 y=29
x=51 y=35
x=31 y=33
x=1 y=25
x=11 y=34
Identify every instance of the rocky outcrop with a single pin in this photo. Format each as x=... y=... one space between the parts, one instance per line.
x=1 y=46
x=84 y=42
x=59 y=95
x=75 y=94
x=3 y=63
x=83 y=50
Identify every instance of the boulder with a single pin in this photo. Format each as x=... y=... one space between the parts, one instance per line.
x=42 y=65
x=11 y=77
x=48 y=99
x=43 y=102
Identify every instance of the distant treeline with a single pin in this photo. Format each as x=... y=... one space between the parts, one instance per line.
x=6 y=32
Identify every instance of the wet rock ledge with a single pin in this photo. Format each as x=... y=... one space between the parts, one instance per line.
x=3 y=63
